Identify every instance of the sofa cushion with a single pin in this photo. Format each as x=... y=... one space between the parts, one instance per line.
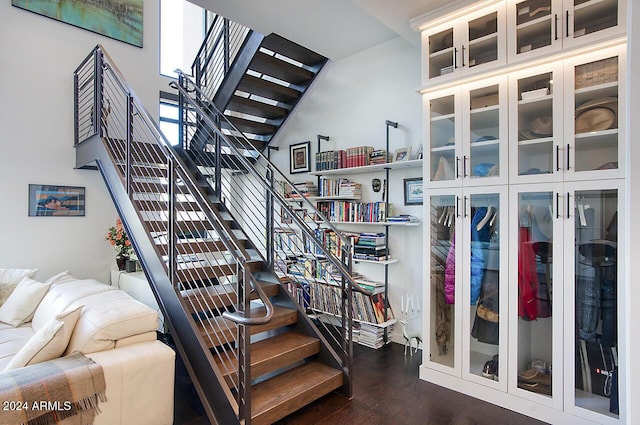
x=22 y=302
x=62 y=295
x=12 y=340
x=108 y=317
x=9 y=279
x=49 y=342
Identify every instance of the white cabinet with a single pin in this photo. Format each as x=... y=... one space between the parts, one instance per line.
x=564 y=120
x=556 y=128
x=467 y=135
x=563 y=321
x=537 y=27
x=470 y=44
x=466 y=263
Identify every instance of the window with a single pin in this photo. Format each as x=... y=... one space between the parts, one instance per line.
x=182 y=30
x=169 y=117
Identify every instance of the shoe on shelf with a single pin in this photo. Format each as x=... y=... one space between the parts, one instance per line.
x=490 y=369
x=538 y=365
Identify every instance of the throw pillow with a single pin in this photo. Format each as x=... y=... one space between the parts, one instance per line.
x=61 y=277
x=22 y=302
x=9 y=279
x=49 y=342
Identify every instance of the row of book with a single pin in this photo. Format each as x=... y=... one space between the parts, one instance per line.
x=339 y=187
x=371 y=247
x=355 y=212
x=328 y=299
x=343 y=158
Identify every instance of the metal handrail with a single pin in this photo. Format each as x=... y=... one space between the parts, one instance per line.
x=229 y=242
x=205 y=115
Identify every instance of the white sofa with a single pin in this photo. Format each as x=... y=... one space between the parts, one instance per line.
x=118 y=333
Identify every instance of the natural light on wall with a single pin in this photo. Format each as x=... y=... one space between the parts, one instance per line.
x=182 y=29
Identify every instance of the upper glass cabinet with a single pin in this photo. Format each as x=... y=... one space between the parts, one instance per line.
x=465 y=45
x=539 y=26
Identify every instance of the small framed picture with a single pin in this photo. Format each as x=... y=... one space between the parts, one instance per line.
x=402 y=154
x=50 y=200
x=300 y=158
x=413 y=191
x=419 y=153
x=285 y=216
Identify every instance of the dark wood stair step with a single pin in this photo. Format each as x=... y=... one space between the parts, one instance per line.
x=292 y=50
x=201 y=270
x=283 y=394
x=218 y=330
x=190 y=246
x=215 y=297
x=248 y=126
x=268 y=89
x=271 y=354
x=282 y=70
x=144 y=170
x=146 y=153
x=256 y=108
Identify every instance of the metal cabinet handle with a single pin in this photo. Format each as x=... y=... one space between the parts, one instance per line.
x=567 y=23
x=568 y=147
x=568 y=206
x=455 y=58
x=462 y=56
x=557 y=157
x=557 y=204
x=556 y=25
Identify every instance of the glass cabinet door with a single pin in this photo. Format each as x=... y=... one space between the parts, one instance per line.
x=483 y=40
x=443 y=280
x=442 y=54
x=483 y=274
x=536 y=25
x=539 y=122
x=485 y=133
x=533 y=222
x=444 y=162
x=591 y=16
x=595 y=123
x=595 y=291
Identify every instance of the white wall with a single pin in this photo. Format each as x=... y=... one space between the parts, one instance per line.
x=37 y=58
x=349 y=102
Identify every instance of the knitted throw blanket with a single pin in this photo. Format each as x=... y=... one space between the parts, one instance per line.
x=65 y=391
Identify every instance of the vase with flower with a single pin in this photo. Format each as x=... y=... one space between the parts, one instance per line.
x=117 y=237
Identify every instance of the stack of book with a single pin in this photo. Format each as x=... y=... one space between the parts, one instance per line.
x=379 y=156
x=371 y=246
x=369 y=335
x=403 y=218
x=350 y=189
x=305 y=189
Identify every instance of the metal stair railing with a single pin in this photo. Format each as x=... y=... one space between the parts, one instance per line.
x=206 y=266
x=220 y=47
x=316 y=262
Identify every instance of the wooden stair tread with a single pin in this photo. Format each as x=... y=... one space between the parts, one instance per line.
x=282 y=70
x=273 y=353
x=268 y=89
x=292 y=50
x=249 y=126
x=218 y=330
x=256 y=108
x=275 y=398
x=218 y=296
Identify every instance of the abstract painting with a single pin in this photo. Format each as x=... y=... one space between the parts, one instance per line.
x=118 y=19
x=50 y=200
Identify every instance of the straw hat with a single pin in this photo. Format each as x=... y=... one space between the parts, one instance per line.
x=597 y=115
x=540 y=127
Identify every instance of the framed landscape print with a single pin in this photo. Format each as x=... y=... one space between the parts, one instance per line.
x=118 y=19
x=49 y=200
x=413 y=191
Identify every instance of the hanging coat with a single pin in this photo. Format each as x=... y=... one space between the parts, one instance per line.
x=450 y=273
x=527 y=277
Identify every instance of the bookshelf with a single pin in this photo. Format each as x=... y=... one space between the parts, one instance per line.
x=347 y=210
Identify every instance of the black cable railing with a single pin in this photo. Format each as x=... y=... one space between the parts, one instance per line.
x=203 y=259
x=304 y=248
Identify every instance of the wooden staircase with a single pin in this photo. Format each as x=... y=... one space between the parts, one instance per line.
x=264 y=85
x=287 y=369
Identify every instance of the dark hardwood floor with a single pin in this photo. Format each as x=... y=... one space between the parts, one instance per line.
x=386 y=390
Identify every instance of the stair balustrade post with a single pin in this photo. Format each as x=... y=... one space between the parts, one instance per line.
x=98 y=92
x=270 y=217
x=130 y=112
x=226 y=46
x=171 y=223
x=244 y=342
x=181 y=112
x=347 y=320
x=218 y=160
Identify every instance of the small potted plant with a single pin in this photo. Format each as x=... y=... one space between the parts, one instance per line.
x=117 y=237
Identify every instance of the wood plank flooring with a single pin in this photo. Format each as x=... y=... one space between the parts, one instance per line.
x=386 y=390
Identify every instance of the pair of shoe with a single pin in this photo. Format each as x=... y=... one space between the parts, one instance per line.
x=490 y=369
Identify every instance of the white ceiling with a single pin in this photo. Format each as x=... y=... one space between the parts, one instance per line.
x=333 y=28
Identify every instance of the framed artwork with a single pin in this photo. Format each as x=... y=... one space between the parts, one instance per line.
x=419 y=155
x=117 y=19
x=402 y=154
x=300 y=158
x=413 y=191
x=49 y=200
